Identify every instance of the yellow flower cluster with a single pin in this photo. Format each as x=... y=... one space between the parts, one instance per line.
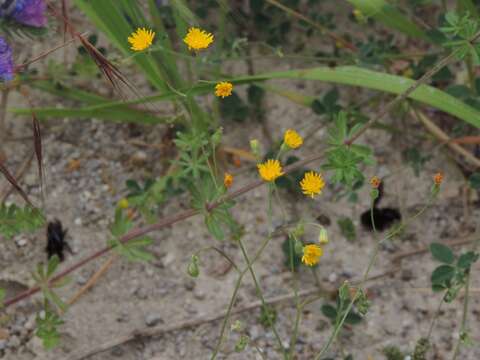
x=270 y=170
x=227 y=180
x=198 y=39
x=141 y=39
x=223 y=89
x=292 y=139
x=312 y=184
x=311 y=254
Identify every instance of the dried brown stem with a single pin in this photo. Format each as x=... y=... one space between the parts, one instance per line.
x=162 y=223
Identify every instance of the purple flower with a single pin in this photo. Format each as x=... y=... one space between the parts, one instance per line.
x=6 y=61
x=26 y=12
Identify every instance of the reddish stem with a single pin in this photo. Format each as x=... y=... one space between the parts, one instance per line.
x=162 y=223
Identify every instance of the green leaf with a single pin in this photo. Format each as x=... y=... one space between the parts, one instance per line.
x=389 y=15
x=214 y=226
x=442 y=253
x=118 y=114
x=55 y=299
x=329 y=311
x=347 y=75
x=15 y=220
x=110 y=16
x=347 y=228
x=2 y=297
x=52 y=265
x=290 y=255
x=474 y=180
x=442 y=274
x=353 y=318
x=466 y=260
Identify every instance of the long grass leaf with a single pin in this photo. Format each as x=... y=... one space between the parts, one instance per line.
x=389 y=15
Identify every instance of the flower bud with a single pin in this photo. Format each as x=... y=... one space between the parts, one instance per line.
x=323 y=236
x=123 y=203
x=298 y=247
x=255 y=148
x=217 y=136
x=193 y=269
x=242 y=343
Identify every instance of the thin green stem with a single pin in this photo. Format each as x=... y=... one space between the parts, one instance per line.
x=463 y=326
x=222 y=253
x=371 y=262
x=227 y=316
x=262 y=298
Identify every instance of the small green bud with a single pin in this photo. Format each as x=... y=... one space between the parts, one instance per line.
x=298 y=247
x=236 y=326
x=255 y=148
x=323 y=236
x=242 y=343
x=374 y=194
x=299 y=230
x=217 y=136
x=193 y=269
x=344 y=291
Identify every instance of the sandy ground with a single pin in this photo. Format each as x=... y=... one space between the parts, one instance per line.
x=132 y=296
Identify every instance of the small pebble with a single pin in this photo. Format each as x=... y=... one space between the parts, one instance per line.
x=153 y=319
x=198 y=294
x=81 y=280
x=21 y=242
x=332 y=277
x=14 y=342
x=117 y=351
x=189 y=285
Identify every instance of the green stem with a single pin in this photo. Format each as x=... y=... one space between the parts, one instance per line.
x=262 y=298
x=373 y=257
x=227 y=316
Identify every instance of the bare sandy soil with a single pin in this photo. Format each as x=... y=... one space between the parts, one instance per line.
x=132 y=296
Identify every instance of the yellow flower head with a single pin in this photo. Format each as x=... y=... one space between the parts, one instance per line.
x=197 y=39
x=123 y=203
x=270 y=170
x=227 y=180
x=292 y=139
x=312 y=184
x=311 y=254
x=223 y=89
x=438 y=178
x=141 y=39
x=375 y=182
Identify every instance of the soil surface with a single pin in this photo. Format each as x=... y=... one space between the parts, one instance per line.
x=87 y=162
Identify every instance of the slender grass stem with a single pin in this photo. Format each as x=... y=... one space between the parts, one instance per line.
x=262 y=298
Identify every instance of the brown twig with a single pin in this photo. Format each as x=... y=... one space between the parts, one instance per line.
x=20 y=173
x=404 y=95
x=442 y=136
x=93 y=279
x=162 y=223
x=422 y=250
x=162 y=330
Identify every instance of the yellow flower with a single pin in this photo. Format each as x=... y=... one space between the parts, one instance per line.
x=141 y=39
x=197 y=39
x=292 y=139
x=270 y=170
x=375 y=182
x=312 y=183
x=223 y=89
x=227 y=180
x=123 y=203
x=311 y=254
